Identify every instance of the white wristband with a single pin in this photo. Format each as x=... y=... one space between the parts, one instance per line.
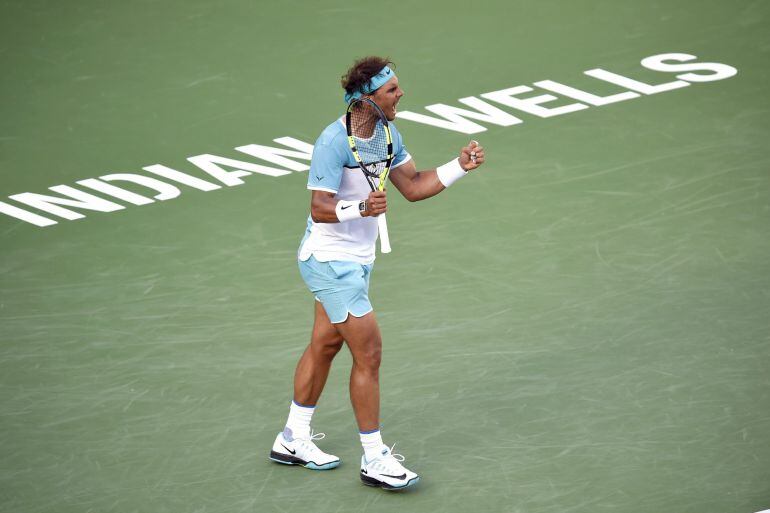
x=347 y=210
x=450 y=172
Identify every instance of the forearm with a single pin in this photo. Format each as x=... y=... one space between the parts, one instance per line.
x=416 y=186
x=423 y=185
x=325 y=207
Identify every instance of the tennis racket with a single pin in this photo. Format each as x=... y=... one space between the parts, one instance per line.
x=372 y=146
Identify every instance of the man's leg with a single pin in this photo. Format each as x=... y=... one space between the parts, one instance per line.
x=379 y=467
x=313 y=368
x=295 y=446
x=362 y=335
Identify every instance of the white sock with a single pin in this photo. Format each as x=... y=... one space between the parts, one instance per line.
x=298 y=423
x=372 y=444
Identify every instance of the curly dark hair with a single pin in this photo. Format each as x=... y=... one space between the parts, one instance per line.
x=362 y=71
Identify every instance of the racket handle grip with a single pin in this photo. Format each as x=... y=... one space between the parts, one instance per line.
x=382 y=224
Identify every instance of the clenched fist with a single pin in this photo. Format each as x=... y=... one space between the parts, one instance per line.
x=472 y=156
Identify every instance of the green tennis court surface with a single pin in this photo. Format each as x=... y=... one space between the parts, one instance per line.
x=581 y=326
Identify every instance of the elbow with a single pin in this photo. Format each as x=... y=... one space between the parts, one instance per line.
x=315 y=213
x=413 y=190
x=409 y=194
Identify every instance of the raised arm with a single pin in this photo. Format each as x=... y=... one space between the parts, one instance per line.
x=419 y=185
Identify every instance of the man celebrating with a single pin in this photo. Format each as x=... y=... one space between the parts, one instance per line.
x=336 y=257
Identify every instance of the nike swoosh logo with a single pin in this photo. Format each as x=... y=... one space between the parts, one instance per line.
x=319 y=178
x=346 y=206
x=402 y=476
x=295 y=452
x=363 y=471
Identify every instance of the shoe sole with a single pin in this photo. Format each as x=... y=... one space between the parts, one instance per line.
x=370 y=481
x=287 y=459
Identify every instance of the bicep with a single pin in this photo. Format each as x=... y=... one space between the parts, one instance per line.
x=403 y=176
x=318 y=197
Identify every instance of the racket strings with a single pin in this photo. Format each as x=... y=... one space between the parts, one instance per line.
x=371 y=140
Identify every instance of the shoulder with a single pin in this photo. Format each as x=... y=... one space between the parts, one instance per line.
x=331 y=148
x=398 y=141
x=333 y=135
x=394 y=131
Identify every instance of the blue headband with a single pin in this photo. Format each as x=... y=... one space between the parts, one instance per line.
x=374 y=83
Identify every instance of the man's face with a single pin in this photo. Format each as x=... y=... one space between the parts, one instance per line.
x=387 y=96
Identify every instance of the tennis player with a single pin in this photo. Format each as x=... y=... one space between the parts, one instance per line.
x=336 y=257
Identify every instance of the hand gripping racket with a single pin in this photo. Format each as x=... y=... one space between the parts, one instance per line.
x=372 y=146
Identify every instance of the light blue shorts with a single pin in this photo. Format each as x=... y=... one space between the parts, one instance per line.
x=341 y=287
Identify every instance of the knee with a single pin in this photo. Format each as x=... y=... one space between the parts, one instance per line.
x=329 y=349
x=370 y=358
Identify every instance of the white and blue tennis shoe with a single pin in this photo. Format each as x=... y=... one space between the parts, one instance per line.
x=302 y=451
x=387 y=472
